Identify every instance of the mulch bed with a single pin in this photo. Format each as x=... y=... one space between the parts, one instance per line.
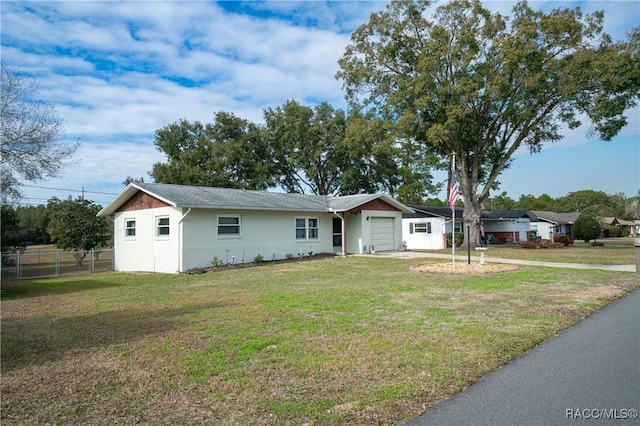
x=463 y=268
x=197 y=271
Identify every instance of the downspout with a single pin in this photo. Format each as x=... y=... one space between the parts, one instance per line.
x=180 y=243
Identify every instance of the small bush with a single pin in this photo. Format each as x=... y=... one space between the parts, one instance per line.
x=529 y=244
x=258 y=259
x=565 y=240
x=215 y=262
x=289 y=256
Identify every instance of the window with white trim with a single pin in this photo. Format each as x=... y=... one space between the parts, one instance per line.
x=162 y=226
x=420 y=228
x=307 y=228
x=228 y=226
x=130 y=228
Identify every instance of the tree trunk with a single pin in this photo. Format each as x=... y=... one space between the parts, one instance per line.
x=79 y=256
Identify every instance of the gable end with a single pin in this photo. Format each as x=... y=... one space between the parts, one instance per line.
x=141 y=201
x=376 y=204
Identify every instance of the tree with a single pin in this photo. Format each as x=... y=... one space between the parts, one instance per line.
x=230 y=152
x=10 y=230
x=74 y=226
x=543 y=202
x=501 y=202
x=30 y=145
x=307 y=146
x=586 y=227
x=473 y=83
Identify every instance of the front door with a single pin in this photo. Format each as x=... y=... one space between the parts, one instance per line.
x=337 y=235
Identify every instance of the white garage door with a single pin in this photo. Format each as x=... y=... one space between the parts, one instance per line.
x=382 y=230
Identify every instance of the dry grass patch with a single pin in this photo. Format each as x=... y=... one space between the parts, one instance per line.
x=357 y=340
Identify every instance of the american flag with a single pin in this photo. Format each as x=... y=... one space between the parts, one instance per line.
x=453 y=193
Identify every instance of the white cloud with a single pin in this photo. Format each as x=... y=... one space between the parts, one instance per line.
x=119 y=71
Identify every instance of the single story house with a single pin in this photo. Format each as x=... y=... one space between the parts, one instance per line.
x=618 y=227
x=174 y=228
x=511 y=226
x=548 y=224
x=426 y=227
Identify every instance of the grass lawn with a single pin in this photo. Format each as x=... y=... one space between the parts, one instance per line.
x=357 y=340
x=612 y=254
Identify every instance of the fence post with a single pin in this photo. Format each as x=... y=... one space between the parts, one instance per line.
x=56 y=266
x=18 y=260
x=93 y=265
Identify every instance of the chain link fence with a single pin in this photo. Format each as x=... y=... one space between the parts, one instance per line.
x=54 y=263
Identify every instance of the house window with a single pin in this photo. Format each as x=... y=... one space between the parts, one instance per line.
x=306 y=228
x=457 y=227
x=228 y=225
x=162 y=227
x=130 y=228
x=420 y=228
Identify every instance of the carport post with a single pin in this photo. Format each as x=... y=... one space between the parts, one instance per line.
x=637 y=246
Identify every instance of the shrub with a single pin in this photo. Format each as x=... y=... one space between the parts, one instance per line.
x=289 y=256
x=259 y=258
x=529 y=244
x=565 y=240
x=586 y=228
x=459 y=239
x=216 y=262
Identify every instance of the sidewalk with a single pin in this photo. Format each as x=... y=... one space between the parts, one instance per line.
x=588 y=374
x=474 y=258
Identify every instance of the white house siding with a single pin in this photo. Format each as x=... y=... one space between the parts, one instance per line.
x=511 y=229
x=269 y=234
x=145 y=251
x=424 y=241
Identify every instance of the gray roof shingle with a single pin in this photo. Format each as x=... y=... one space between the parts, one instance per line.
x=238 y=199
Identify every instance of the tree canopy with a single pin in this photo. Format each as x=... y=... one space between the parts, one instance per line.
x=74 y=226
x=30 y=144
x=473 y=83
x=230 y=152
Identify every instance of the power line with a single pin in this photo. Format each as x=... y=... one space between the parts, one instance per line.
x=115 y=159
x=70 y=190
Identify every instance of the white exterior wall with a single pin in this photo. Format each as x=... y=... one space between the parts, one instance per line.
x=147 y=252
x=514 y=226
x=544 y=229
x=268 y=234
x=424 y=241
x=359 y=229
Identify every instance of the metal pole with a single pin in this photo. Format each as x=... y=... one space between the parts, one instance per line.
x=468 y=242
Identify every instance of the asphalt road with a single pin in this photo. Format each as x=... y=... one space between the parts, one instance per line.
x=589 y=374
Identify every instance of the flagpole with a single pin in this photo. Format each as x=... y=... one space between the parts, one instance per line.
x=453 y=214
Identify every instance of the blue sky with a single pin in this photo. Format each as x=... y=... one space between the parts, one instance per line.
x=118 y=71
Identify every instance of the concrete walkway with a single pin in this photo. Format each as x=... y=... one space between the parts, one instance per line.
x=474 y=258
x=588 y=374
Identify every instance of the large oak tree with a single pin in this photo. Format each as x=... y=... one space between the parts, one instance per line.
x=230 y=152
x=471 y=82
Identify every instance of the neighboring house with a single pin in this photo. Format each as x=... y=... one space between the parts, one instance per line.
x=619 y=227
x=174 y=228
x=427 y=227
x=547 y=224
x=510 y=226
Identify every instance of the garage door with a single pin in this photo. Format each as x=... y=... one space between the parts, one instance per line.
x=382 y=230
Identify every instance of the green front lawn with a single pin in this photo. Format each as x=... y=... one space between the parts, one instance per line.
x=579 y=252
x=357 y=340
